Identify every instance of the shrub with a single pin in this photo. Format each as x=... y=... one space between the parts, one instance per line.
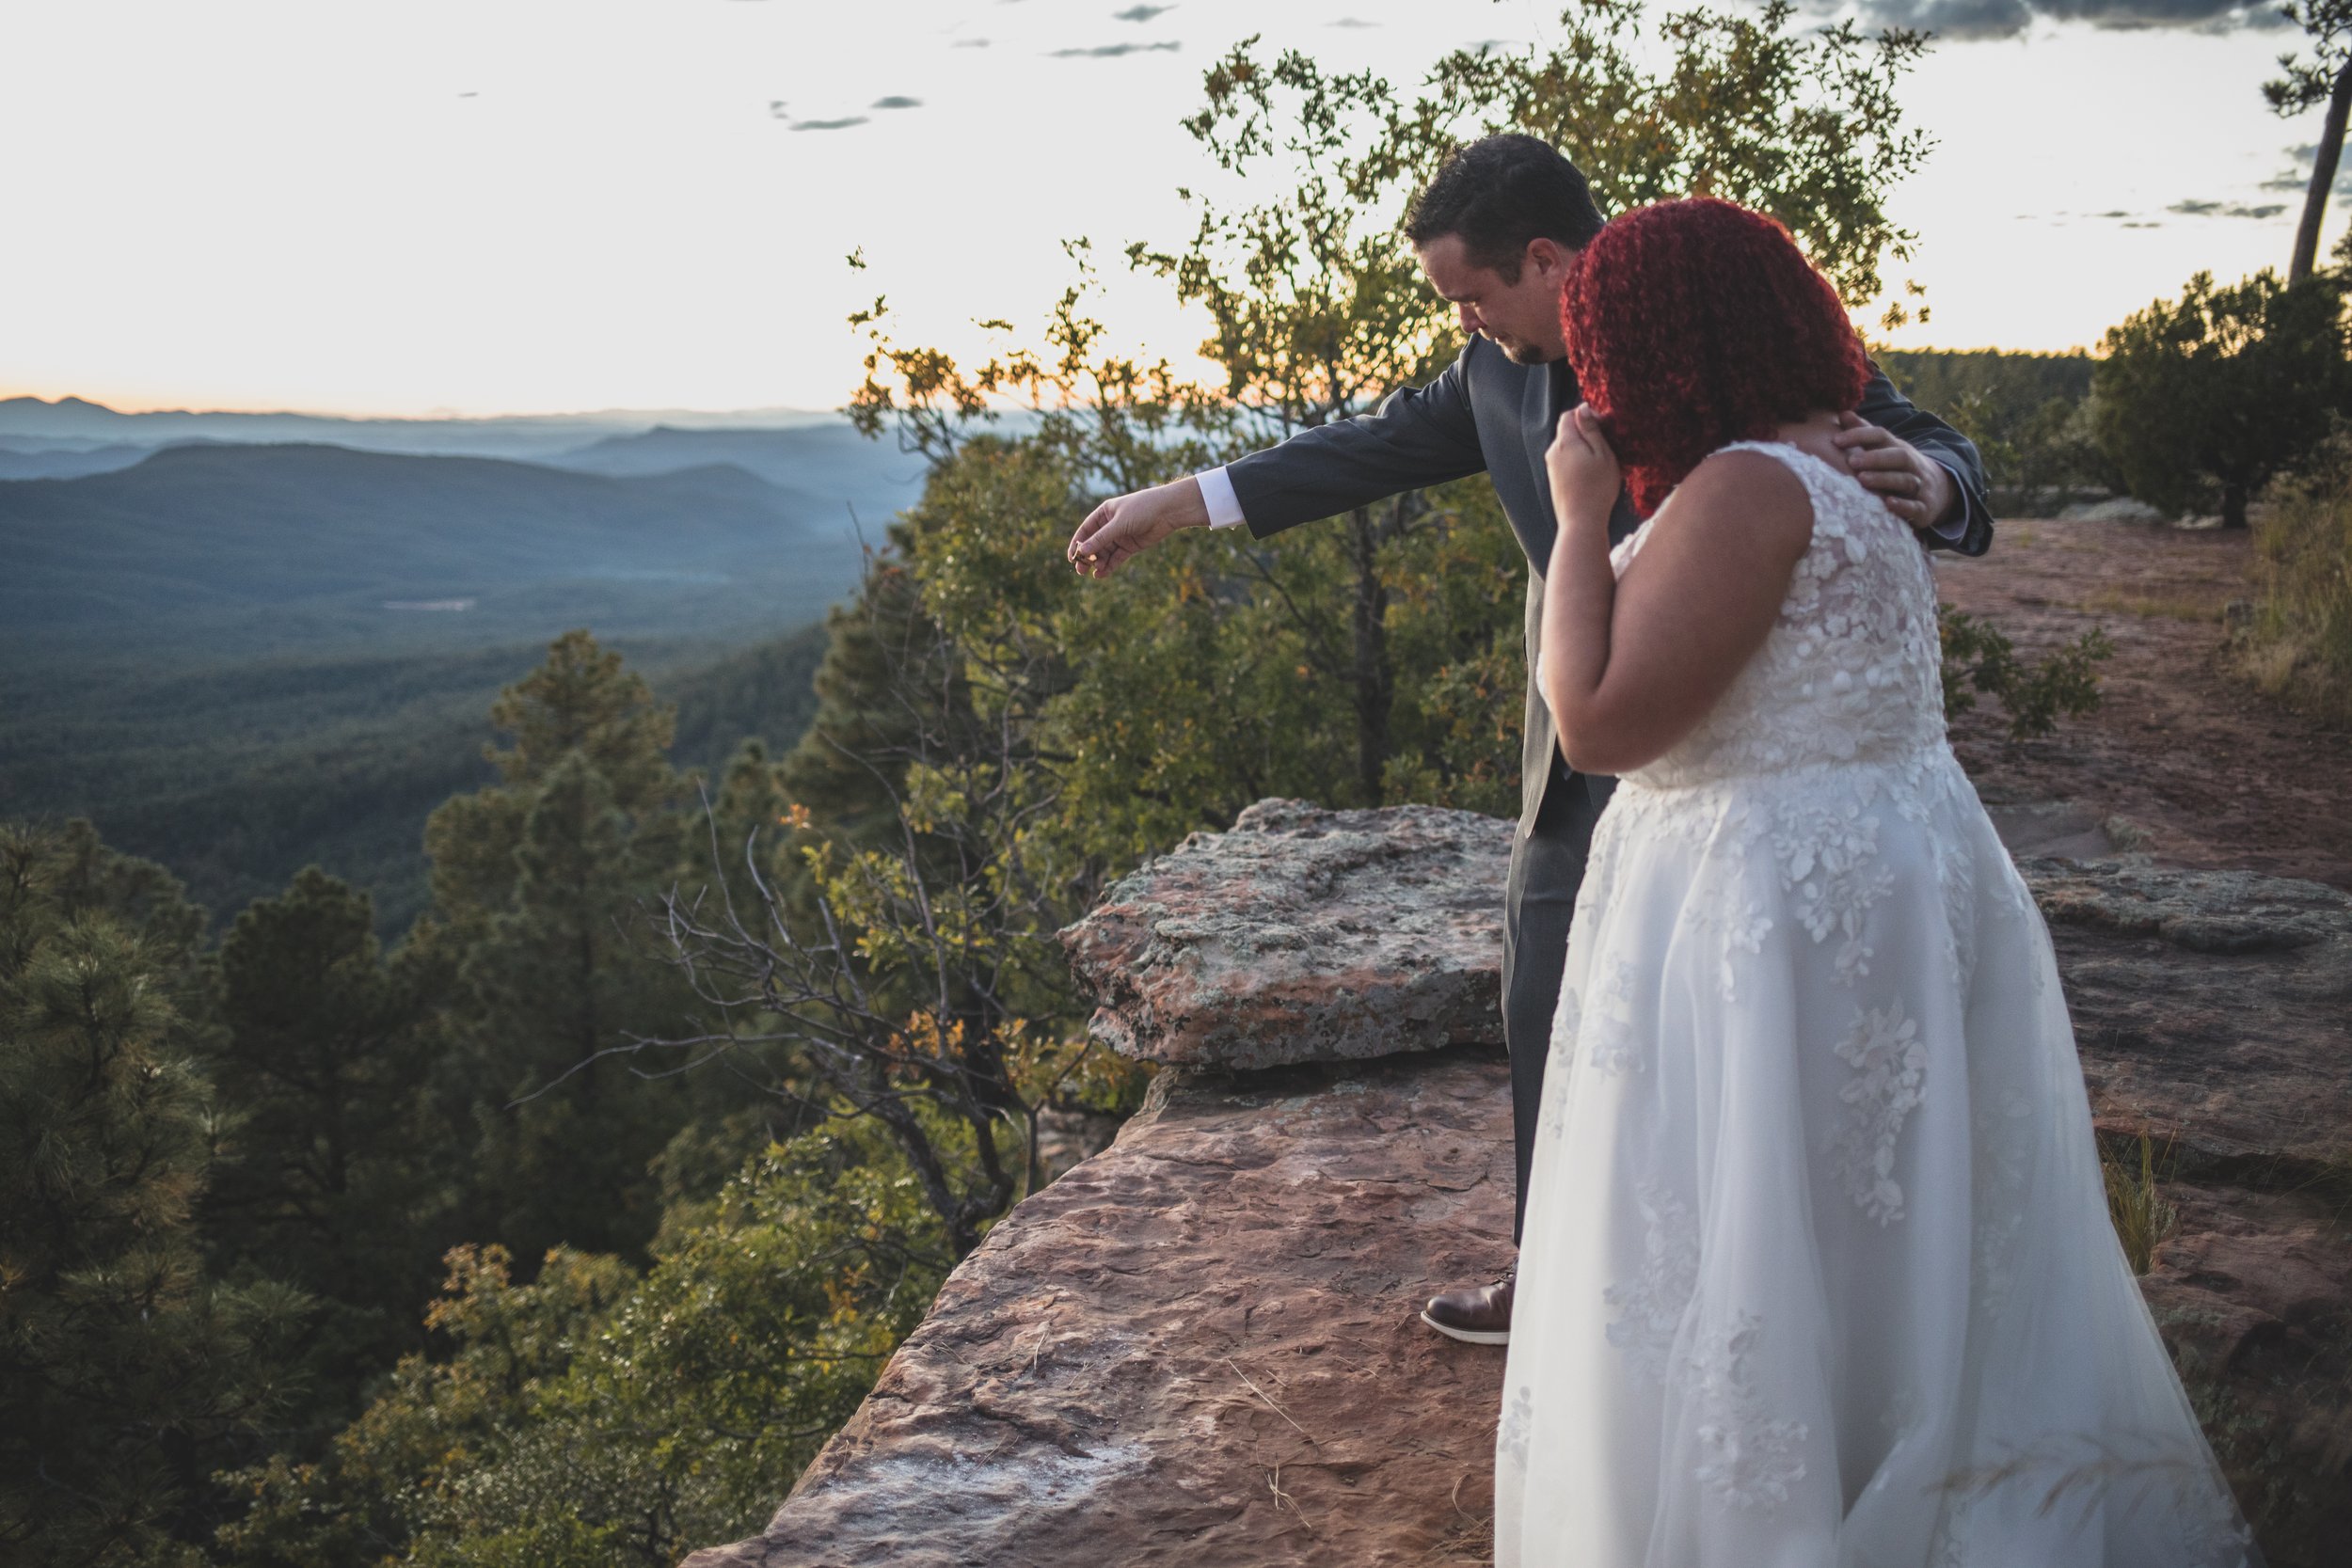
x=2202 y=401
x=1978 y=657
x=2299 y=642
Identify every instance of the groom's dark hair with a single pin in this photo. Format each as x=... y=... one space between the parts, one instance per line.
x=1498 y=193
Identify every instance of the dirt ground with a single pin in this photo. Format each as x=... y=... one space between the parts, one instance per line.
x=2213 y=773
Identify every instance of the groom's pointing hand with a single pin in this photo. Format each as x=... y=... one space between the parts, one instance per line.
x=1125 y=526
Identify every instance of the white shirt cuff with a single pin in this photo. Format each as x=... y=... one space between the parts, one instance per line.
x=1956 y=529
x=1217 y=491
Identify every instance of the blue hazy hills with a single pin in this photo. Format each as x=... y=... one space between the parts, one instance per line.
x=234 y=547
x=241 y=644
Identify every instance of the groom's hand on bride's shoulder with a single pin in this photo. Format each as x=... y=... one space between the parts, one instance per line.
x=1125 y=526
x=1914 y=486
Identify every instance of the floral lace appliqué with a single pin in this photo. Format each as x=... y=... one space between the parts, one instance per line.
x=1751 y=1459
x=1852 y=671
x=1890 y=1064
x=1511 y=1439
x=1617 y=1044
x=1828 y=855
x=1649 y=1306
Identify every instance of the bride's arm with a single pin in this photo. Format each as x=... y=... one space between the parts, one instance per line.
x=1630 y=668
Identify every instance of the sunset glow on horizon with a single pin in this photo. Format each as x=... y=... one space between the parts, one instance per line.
x=559 y=206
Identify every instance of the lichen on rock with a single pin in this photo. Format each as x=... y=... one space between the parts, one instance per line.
x=1303 y=935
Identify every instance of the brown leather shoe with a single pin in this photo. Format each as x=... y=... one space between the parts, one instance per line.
x=1475 y=1314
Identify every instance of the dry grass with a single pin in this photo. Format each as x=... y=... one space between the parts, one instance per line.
x=1270 y=1402
x=2298 y=645
x=1469 y=1540
x=2142 y=1218
x=2145 y=608
x=1283 y=1499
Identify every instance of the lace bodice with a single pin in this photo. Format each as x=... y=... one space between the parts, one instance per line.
x=1852 y=672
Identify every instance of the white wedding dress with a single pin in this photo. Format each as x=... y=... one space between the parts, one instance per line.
x=1817 y=1268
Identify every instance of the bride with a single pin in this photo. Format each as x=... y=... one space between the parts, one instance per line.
x=1818 y=1271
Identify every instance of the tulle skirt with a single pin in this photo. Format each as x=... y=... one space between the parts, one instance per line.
x=1816 y=1266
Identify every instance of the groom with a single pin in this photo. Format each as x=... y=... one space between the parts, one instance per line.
x=1496 y=231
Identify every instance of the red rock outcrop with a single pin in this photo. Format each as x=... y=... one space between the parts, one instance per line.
x=1200 y=1346
x=1303 y=935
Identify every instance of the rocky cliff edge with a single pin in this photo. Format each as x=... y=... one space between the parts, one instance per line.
x=1201 y=1347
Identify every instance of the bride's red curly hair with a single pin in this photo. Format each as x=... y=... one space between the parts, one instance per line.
x=1695 y=323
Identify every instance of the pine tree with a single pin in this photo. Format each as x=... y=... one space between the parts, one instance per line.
x=882 y=669
x=537 y=883
x=334 y=1186
x=122 y=1366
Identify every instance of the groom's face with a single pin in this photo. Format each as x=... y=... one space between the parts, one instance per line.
x=1521 y=317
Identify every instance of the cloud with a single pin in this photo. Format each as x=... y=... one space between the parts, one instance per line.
x=969 y=43
x=895 y=100
x=2000 y=19
x=1351 y=21
x=841 y=124
x=2227 y=209
x=1140 y=13
x=2296 y=179
x=1113 y=51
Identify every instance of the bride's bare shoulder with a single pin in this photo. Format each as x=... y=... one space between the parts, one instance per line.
x=1751 y=493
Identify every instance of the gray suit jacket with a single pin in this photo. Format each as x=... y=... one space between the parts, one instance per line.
x=1485 y=412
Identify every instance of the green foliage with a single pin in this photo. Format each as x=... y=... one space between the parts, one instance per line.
x=2027 y=413
x=850 y=761
x=2203 y=398
x=1978 y=657
x=2299 y=644
x=1376 y=657
x=895 y=968
x=536 y=882
x=325 y=1049
x=331 y=761
x=593 y=1417
x=387 y=1475
x=368 y=1110
x=122 y=1366
x=2142 y=1217
x=1801 y=122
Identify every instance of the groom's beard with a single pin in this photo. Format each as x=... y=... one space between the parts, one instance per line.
x=1520 y=351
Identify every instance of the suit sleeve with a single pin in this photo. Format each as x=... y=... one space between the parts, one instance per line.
x=1418 y=437
x=1895 y=414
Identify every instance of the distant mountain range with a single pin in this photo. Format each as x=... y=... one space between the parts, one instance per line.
x=244 y=642
x=30 y=423
x=234 y=548
x=851 y=474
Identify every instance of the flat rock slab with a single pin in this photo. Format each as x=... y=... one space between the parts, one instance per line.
x=1304 y=935
x=1201 y=1347
x=2213 y=1010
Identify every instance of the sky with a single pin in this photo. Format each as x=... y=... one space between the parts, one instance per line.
x=525 y=206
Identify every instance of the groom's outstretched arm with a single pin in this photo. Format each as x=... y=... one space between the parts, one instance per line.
x=1418 y=437
x=1967 y=526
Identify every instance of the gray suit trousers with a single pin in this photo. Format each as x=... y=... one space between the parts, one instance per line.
x=1547 y=868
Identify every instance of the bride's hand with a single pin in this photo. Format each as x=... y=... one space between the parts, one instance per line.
x=1585 y=478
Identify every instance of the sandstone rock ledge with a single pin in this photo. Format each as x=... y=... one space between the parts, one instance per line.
x=1200 y=1346
x=1304 y=935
